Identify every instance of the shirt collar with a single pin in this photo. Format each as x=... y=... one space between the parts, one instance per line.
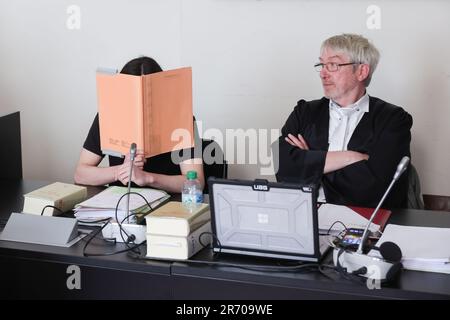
x=361 y=105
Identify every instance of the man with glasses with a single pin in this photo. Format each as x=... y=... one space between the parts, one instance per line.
x=348 y=142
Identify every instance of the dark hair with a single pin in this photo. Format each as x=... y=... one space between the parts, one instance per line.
x=140 y=66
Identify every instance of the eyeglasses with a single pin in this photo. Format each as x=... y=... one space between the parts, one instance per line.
x=332 y=66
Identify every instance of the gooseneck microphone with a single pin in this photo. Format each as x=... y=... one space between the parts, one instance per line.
x=401 y=167
x=133 y=232
x=361 y=264
x=132 y=156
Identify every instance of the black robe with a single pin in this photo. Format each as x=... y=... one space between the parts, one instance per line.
x=383 y=133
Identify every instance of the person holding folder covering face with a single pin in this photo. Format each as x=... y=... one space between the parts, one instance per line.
x=348 y=142
x=157 y=172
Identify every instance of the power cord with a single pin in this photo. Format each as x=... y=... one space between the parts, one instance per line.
x=340 y=222
x=49 y=206
x=130 y=237
x=119 y=223
x=307 y=267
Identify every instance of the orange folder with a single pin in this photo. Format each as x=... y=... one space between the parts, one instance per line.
x=145 y=110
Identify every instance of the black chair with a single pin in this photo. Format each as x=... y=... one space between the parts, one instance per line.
x=436 y=202
x=11 y=162
x=214 y=164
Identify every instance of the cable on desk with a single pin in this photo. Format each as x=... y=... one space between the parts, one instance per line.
x=49 y=206
x=130 y=238
x=129 y=241
x=94 y=234
x=340 y=222
x=210 y=244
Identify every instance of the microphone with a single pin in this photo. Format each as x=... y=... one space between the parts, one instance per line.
x=132 y=156
x=133 y=151
x=401 y=167
x=357 y=262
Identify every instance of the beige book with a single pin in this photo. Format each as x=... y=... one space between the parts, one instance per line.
x=154 y=111
x=61 y=195
x=170 y=247
x=175 y=219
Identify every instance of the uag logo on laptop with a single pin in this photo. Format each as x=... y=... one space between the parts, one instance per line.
x=260 y=187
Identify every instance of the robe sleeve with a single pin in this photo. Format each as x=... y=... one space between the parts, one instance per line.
x=365 y=182
x=295 y=164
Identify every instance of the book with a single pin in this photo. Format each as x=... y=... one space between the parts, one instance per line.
x=423 y=248
x=103 y=204
x=351 y=217
x=175 y=219
x=61 y=195
x=146 y=110
x=171 y=247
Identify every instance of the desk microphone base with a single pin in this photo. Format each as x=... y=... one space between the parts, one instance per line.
x=112 y=231
x=354 y=263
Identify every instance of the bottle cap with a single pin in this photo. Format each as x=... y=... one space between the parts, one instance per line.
x=191 y=175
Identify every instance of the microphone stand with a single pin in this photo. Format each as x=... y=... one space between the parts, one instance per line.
x=400 y=169
x=366 y=230
x=357 y=262
x=132 y=156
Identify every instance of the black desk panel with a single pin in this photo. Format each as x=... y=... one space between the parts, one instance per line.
x=41 y=272
x=36 y=271
x=196 y=281
x=212 y=282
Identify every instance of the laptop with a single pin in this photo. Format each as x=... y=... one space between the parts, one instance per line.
x=267 y=219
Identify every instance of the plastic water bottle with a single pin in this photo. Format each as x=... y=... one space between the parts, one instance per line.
x=192 y=193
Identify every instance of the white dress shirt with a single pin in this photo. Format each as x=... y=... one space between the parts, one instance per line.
x=343 y=121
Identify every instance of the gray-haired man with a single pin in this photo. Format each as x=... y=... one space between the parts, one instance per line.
x=348 y=141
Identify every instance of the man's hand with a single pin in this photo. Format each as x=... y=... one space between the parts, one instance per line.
x=139 y=159
x=138 y=175
x=298 y=141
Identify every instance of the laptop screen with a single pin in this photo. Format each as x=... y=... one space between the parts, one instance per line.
x=265 y=219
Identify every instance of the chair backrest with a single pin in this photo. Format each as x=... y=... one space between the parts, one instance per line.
x=427 y=201
x=214 y=164
x=11 y=162
x=436 y=202
x=414 y=192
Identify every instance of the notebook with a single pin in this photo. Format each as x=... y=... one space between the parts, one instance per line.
x=267 y=219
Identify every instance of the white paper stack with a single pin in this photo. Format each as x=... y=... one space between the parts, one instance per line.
x=423 y=248
x=103 y=204
x=330 y=214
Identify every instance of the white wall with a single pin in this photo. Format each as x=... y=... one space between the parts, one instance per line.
x=252 y=60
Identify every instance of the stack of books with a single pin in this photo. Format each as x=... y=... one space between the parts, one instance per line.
x=177 y=232
x=63 y=196
x=103 y=205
